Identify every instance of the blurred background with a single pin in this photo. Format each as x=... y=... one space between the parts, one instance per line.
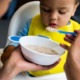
x=7 y=10
x=3 y=32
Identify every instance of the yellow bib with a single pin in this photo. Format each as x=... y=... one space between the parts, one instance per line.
x=37 y=28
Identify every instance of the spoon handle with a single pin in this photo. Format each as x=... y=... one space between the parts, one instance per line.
x=65 y=32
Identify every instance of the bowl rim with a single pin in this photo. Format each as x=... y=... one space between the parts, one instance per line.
x=36 y=52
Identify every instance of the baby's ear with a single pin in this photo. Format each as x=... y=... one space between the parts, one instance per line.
x=75 y=7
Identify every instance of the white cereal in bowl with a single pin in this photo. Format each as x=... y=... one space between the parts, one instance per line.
x=41 y=49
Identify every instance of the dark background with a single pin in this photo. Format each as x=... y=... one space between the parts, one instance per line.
x=4 y=24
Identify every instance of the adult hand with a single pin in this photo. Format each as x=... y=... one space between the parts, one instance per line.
x=69 y=38
x=16 y=64
x=72 y=65
x=4 y=5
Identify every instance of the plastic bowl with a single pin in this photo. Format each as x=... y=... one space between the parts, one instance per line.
x=37 y=57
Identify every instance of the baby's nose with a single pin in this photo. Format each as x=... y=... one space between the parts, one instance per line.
x=53 y=16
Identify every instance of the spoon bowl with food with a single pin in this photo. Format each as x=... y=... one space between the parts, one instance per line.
x=60 y=31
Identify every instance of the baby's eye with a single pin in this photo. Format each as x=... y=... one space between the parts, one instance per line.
x=45 y=10
x=62 y=12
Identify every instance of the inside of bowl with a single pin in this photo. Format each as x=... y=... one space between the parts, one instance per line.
x=44 y=42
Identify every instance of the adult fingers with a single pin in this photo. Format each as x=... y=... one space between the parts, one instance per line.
x=69 y=38
x=64 y=46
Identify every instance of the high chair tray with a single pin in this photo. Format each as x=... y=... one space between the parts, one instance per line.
x=25 y=76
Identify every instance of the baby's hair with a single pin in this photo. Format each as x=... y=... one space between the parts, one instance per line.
x=77 y=1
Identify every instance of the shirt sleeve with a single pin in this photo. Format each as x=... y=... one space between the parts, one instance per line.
x=23 y=32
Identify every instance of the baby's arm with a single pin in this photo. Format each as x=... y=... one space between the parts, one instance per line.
x=6 y=53
x=8 y=50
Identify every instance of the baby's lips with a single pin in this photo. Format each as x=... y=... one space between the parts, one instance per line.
x=52 y=25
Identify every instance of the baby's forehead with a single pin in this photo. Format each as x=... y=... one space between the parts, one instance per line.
x=58 y=1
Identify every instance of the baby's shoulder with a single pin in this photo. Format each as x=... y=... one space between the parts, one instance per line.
x=75 y=24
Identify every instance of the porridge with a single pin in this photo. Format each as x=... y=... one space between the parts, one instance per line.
x=41 y=49
x=51 y=29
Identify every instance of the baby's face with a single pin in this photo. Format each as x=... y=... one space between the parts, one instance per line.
x=57 y=13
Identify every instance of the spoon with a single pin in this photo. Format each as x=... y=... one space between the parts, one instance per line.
x=60 y=31
x=16 y=38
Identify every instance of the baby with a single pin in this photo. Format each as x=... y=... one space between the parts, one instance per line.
x=53 y=13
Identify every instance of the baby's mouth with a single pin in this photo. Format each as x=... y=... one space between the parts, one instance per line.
x=53 y=25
